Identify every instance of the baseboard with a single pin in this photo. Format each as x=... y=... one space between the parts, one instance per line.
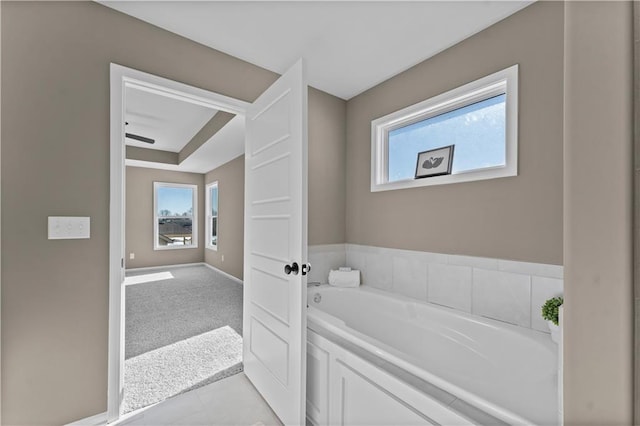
x=97 y=420
x=186 y=265
x=155 y=268
x=231 y=277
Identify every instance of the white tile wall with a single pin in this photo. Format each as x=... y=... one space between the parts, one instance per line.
x=537 y=269
x=502 y=295
x=450 y=285
x=505 y=290
x=323 y=258
x=410 y=276
x=356 y=260
x=378 y=270
x=474 y=262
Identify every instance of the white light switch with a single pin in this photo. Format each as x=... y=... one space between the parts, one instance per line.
x=69 y=228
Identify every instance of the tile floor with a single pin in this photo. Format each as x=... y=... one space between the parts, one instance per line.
x=229 y=402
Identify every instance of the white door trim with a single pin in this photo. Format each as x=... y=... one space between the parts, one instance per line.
x=122 y=77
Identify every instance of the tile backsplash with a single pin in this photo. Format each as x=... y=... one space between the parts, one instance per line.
x=505 y=290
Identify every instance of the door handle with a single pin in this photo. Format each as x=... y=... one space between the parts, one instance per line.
x=306 y=268
x=288 y=269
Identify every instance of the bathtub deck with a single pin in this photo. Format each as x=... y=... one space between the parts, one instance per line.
x=485 y=370
x=446 y=398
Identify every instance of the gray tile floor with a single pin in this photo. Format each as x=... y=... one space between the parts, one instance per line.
x=229 y=402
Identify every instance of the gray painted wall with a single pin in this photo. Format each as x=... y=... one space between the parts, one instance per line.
x=230 y=177
x=151 y=155
x=55 y=293
x=598 y=324
x=327 y=123
x=139 y=218
x=517 y=218
x=55 y=161
x=327 y=168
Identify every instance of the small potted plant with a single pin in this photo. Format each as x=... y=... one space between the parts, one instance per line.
x=550 y=313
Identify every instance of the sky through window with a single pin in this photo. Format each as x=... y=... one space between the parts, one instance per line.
x=176 y=201
x=476 y=130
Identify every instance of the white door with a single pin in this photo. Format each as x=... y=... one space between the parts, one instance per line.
x=275 y=247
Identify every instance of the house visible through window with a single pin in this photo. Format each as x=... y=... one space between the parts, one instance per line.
x=212 y=216
x=479 y=119
x=175 y=221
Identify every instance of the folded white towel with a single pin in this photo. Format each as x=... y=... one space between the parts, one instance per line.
x=344 y=278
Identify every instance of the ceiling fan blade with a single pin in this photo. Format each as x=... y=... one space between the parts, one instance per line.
x=139 y=138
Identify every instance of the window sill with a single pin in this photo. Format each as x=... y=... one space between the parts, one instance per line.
x=211 y=248
x=470 y=176
x=175 y=248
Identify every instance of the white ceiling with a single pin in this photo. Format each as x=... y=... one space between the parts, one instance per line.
x=224 y=146
x=349 y=46
x=171 y=122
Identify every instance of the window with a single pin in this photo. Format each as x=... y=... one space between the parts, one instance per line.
x=212 y=216
x=479 y=118
x=175 y=219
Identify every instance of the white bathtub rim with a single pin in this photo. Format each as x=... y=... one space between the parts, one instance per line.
x=362 y=341
x=541 y=337
x=322 y=320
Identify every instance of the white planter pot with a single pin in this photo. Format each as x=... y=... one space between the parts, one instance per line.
x=555 y=332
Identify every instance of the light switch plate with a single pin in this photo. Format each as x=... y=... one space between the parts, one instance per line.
x=69 y=227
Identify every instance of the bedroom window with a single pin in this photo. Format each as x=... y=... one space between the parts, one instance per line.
x=479 y=119
x=175 y=219
x=212 y=216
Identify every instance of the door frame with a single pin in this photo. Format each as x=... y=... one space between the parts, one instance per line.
x=122 y=77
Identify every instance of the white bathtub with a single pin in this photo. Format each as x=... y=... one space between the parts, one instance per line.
x=505 y=371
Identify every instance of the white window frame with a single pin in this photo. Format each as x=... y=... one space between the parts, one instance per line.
x=194 y=218
x=501 y=82
x=209 y=216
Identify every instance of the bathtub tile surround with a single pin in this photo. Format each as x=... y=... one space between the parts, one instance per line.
x=502 y=295
x=473 y=262
x=323 y=258
x=504 y=290
x=533 y=269
x=450 y=285
x=378 y=270
x=410 y=276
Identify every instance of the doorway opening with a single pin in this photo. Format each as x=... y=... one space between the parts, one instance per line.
x=275 y=234
x=175 y=319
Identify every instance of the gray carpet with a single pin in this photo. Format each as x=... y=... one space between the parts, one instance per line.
x=163 y=312
x=186 y=365
x=182 y=331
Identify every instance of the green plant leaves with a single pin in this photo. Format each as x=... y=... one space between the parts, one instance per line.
x=550 y=309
